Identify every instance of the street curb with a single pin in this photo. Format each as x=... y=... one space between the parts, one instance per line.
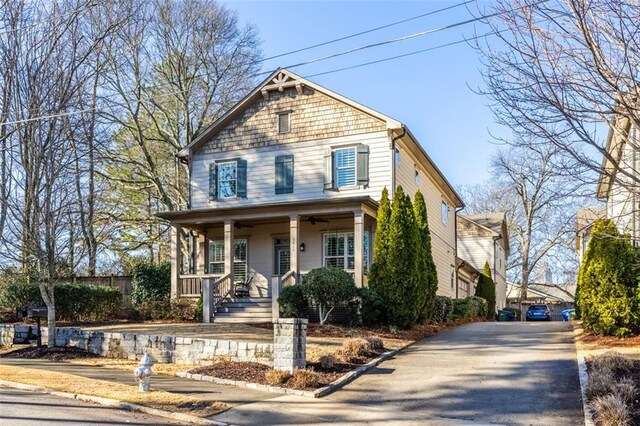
x=116 y=404
x=583 y=375
x=318 y=393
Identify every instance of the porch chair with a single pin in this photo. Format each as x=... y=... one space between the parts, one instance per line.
x=241 y=288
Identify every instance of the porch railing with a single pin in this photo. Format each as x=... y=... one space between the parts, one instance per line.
x=220 y=290
x=191 y=285
x=278 y=283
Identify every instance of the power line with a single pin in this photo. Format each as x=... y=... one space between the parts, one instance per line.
x=50 y=18
x=291 y=52
x=406 y=54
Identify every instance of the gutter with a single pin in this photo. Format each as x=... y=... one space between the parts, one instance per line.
x=455 y=241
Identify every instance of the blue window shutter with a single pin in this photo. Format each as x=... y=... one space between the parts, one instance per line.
x=241 y=167
x=328 y=171
x=284 y=174
x=213 y=182
x=363 y=165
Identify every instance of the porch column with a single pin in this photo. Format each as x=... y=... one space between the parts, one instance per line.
x=201 y=260
x=175 y=254
x=358 y=246
x=228 y=248
x=294 y=238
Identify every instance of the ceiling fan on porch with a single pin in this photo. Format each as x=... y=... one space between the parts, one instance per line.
x=313 y=220
x=239 y=225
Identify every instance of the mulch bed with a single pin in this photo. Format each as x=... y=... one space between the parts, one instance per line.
x=632 y=341
x=418 y=332
x=253 y=372
x=53 y=354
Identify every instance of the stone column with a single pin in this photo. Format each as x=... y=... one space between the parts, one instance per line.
x=228 y=248
x=175 y=259
x=358 y=246
x=289 y=344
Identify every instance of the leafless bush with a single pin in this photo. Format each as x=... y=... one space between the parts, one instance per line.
x=611 y=361
x=610 y=410
x=353 y=349
x=375 y=342
x=327 y=361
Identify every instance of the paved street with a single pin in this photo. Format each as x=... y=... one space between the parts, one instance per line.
x=21 y=408
x=484 y=373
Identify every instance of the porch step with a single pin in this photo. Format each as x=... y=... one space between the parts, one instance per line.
x=244 y=310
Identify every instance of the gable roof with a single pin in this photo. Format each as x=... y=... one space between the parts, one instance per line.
x=548 y=292
x=495 y=223
x=279 y=80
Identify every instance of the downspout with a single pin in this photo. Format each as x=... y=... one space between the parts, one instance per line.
x=393 y=161
x=455 y=240
x=495 y=271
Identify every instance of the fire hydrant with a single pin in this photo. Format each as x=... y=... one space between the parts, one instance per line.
x=143 y=373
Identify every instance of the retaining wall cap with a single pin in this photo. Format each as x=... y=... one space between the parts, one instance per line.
x=291 y=321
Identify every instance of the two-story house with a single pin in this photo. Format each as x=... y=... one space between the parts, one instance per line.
x=484 y=238
x=289 y=180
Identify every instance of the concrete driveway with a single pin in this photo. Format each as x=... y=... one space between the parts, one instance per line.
x=484 y=373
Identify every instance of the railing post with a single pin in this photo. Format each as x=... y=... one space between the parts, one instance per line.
x=276 y=285
x=206 y=299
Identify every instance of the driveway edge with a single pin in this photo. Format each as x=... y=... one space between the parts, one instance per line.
x=318 y=393
x=115 y=403
x=583 y=375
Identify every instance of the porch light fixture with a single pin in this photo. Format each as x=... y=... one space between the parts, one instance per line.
x=302 y=247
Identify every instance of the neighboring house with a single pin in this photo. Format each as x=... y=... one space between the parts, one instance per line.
x=289 y=180
x=620 y=178
x=484 y=238
x=558 y=297
x=467 y=278
x=585 y=218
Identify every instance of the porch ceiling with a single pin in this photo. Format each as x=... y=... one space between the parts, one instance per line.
x=272 y=213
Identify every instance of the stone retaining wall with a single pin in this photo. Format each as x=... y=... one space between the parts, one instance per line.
x=179 y=350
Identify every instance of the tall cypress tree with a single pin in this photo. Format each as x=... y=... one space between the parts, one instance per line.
x=427 y=276
x=380 y=267
x=487 y=290
x=400 y=290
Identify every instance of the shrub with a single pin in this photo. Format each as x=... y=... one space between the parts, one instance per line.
x=607 y=283
x=611 y=411
x=427 y=275
x=150 y=282
x=328 y=288
x=486 y=289
x=168 y=310
x=198 y=314
x=293 y=303
x=611 y=362
x=305 y=378
x=327 y=361
x=470 y=307
x=276 y=377
x=372 y=306
x=74 y=302
x=353 y=350
x=443 y=310
x=375 y=343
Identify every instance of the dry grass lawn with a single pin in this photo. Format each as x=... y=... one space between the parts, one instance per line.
x=167 y=369
x=81 y=385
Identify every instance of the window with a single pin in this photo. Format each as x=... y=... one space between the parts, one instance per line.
x=284 y=122
x=366 y=250
x=216 y=259
x=284 y=174
x=445 y=213
x=346 y=167
x=227 y=179
x=397 y=156
x=338 y=250
x=416 y=175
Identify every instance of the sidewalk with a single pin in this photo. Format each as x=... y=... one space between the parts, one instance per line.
x=205 y=391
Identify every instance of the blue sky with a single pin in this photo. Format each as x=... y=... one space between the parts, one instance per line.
x=429 y=92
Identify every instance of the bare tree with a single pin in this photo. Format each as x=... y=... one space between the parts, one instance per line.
x=532 y=185
x=565 y=73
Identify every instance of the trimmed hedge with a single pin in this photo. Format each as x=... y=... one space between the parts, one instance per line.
x=328 y=288
x=74 y=302
x=470 y=307
x=443 y=309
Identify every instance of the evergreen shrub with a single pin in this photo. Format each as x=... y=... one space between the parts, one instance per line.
x=150 y=282
x=469 y=307
x=443 y=309
x=293 y=303
x=327 y=288
x=486 y=289
x=372 y=307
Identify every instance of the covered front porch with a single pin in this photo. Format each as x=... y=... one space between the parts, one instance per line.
x=219 y=253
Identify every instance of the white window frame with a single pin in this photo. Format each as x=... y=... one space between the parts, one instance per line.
x=345 y=255
x=416 y=175
x=397 y=156
x=216 y=248
x=234 y=180
x=337 y=168
x=444 y=213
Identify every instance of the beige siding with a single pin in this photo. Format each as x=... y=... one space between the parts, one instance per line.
x=477 y=251
x=308 y=171
x=622 y=199
x=442 y=235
